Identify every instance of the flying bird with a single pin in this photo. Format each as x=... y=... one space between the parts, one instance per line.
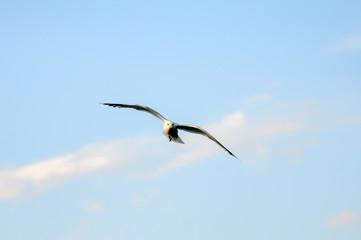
x=171 y=128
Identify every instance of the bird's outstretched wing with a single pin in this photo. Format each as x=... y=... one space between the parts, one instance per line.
x=198 y=130
x=137 y=107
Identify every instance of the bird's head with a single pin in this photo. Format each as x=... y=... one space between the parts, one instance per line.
x=168 y=124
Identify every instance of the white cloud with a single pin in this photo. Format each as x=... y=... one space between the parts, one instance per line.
x=341 y=123
x=147 y=198
x=346 y=44
x=96 y=157
x=149 y=157
x=314 y=142
x=91 y=206
x=292 y=154
x=345 y=217
x=274 y=85
x=255 y=99
x=92 y=158
x=229 y=131
x=269 y=129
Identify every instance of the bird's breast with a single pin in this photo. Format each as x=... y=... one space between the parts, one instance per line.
x=166 y=129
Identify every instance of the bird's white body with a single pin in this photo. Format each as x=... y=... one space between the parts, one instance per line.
x=171 y=132
x=166 y=128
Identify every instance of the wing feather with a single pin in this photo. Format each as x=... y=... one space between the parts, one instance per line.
x=137 y=107
x=199 y=130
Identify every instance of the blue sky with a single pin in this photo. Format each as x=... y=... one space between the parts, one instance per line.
x=279 y=83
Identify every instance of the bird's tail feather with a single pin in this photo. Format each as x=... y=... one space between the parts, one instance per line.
x=177 y=139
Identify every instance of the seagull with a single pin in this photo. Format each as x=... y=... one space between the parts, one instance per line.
x=170 y=129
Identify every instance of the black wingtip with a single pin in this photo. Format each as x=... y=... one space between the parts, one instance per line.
x=108 y=104
x=230 y=153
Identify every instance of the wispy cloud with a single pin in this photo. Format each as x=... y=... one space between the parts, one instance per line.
x=153 y=197
x=344 y=218
x=292 y=154
x=91 y=206
x=234 y=131
x=258 y=98
x=91 y=158
x=341 y=123
x=346 y=44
